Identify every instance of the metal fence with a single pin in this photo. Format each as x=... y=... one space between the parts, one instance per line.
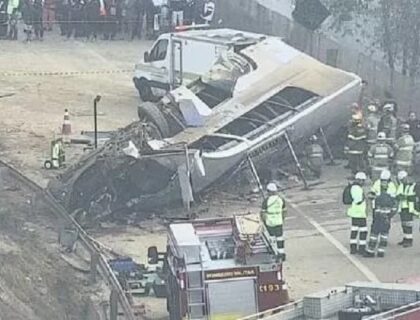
x=249 y=15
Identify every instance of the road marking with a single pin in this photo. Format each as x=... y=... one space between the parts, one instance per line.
x=356 y=262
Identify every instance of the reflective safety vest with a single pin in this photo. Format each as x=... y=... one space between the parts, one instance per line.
x=407 y=196
x=274 y=211
x=404 y=150
x=391 y=190
x=356 y=140
x=315 y=153
x=358 y=207
x=380 y=155
x=372 y=122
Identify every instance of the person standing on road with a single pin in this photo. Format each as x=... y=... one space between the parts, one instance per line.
x=13 y=29
x=358 y=214
x=314 y=156
x=389 y=123
x=356 y=145
x=37 y=20
x=404 y=151
x=380 y=156
x=208 y=12
x=27 y=16
x=273 y=211
x=406 y=196
x=92 y=17
x=372 y=121
x=414 y=124
x=385 y=208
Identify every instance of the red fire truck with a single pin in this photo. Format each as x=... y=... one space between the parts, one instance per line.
x=222 y=268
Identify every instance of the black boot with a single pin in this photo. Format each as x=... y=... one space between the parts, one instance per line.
x=369 y=254
x=402 y=242
x=353 y=249
x=381 y=254
x=408 y=243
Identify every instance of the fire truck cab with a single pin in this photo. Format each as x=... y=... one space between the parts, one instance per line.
x=222 y=268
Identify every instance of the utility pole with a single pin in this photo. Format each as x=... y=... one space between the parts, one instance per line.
x=95 y=116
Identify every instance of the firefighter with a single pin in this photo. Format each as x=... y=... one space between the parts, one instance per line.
x=358 y=214
x=385 y=208
x=380 y=156
x=314 y=155
x=414 y=124
x=404 y=150
x=273 y=210
x=356 y=144
x=389 y=123
x=372 y=122
x=406 y=197
x=57 y=154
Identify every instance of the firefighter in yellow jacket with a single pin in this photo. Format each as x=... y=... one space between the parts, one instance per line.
x=406 y=197
x=273 y=210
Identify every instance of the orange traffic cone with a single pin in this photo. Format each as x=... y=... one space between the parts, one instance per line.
x=66 y=128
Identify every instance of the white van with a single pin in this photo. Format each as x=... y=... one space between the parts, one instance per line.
x=178 y=58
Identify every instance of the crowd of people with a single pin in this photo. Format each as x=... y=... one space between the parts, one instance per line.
x=381 y=147
x=381 y=153
x=91 y=19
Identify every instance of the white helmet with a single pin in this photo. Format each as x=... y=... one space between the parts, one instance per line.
x=402 y=174
x=388 y=107
x=271 y=187
x=381 y=136
x=372 y=108
x=360 y=176
x=385 y=175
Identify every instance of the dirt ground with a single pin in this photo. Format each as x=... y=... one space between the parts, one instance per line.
x=36 y=283
x=317 y=228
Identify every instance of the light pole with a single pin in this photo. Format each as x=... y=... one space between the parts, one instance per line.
x=95 y=102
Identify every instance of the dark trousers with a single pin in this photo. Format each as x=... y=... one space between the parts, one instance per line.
x=13 y=32
x=407 y=225
x=356 y=162
x=277 y=240
x=39 y=28
x=378 y=235
x=91 y=29
x=358 y=235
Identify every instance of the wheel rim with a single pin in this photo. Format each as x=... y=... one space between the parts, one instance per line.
x=151 y=130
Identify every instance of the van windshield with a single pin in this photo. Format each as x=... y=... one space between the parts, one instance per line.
x=226 y=71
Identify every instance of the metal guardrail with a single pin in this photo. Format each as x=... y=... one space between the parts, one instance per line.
x=84 y=238
x=400 y=311
x=271 y=312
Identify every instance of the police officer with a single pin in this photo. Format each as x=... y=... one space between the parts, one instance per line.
x=314 y=155
x=380 y=156
x=273 y=211
x=389 y=123
x=385 y=208
x=356 y=144
x=358 y=214
x=404 y=150
x=372 y=122
x=406 y=197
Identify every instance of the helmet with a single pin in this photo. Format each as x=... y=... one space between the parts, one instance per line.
x=356 y=117
x=388 y=107
x=381 y=136
x=385 y=175
x=405 y=127
x=360 y=176
x=271 y=187
x=402 y=174
x=372 y=108
x=314 y=138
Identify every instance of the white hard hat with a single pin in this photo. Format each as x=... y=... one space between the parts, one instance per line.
x=372 y=108
x=385 y=175
x=402 y=174
x=381 y=135
x=360 y=176
x=271 y=187
x=389 y=106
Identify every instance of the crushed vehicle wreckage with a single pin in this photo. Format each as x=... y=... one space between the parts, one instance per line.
x=241 y=108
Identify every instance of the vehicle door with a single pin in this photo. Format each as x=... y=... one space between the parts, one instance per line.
x=158 y=60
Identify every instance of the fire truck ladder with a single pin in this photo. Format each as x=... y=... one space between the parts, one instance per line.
x=196 y=298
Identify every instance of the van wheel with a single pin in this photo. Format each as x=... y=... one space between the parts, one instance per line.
x=145 y=90
x=157 y=126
